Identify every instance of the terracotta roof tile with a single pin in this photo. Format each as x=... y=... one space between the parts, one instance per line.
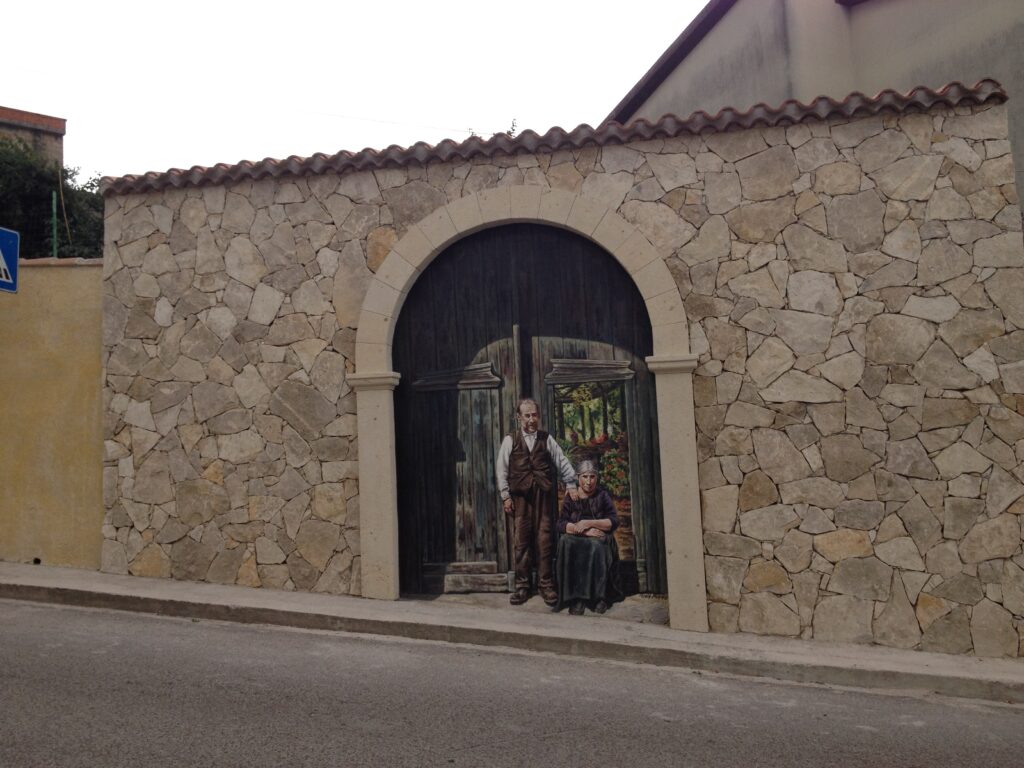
x=789 y=112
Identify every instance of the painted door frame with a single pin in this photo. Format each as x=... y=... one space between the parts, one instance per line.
x=672 y=364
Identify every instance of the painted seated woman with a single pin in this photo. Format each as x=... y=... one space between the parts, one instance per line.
x=587 y=554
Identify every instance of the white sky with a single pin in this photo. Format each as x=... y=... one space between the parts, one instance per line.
x=150 y=86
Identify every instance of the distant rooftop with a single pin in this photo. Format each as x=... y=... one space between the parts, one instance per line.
x=31 y=120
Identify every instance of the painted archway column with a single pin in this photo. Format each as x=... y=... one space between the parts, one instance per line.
x=378 y=490
x=680 y=491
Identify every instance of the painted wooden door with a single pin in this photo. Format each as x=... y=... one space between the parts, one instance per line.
x=520 y=310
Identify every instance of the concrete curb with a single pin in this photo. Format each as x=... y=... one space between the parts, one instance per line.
x=803 y=663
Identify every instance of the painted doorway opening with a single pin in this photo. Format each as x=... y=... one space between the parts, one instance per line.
x=513 y=311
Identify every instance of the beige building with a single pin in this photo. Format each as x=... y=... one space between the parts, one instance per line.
x=738 y=53
x=51 y=508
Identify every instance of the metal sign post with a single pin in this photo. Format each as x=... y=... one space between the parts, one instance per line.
x=9 y=242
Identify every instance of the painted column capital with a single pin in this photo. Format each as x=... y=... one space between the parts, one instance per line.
x=361 y=382
x=657 y=364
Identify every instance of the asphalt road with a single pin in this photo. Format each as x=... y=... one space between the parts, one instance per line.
x=82 y=687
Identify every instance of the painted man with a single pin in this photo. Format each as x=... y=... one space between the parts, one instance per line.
x=528 y=463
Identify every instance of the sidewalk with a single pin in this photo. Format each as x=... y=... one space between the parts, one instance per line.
x=858 y=666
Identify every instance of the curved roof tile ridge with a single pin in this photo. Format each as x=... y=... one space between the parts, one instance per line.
x=789 y=112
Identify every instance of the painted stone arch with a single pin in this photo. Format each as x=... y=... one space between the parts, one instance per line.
x=672 y=364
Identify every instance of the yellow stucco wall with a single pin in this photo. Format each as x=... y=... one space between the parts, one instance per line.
x=51 y=429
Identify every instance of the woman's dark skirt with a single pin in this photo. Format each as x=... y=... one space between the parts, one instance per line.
x=586 y=570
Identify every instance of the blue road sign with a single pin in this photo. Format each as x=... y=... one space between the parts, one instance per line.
x=9 y=240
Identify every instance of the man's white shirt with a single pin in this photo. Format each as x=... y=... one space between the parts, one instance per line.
x=566 y=473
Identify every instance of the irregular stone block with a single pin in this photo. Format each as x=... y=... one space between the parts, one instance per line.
x=908 y=457
x=809 y=250
x=991 y=539
x=724 y=576
x=337 y=576
x=302 y=574
x=912 y=178
x=240 y=448
x=972 y=328
x=723 y=618
x=190 y=559
x=816 y=491
x=769 y=361
x=845 y=457
x=861 y=411
x=960 y=516
x=816 y=292
x=795 y=551
x=948 y=634
x=731 y=545
x=153 y=480
x=767 y=577
x=778 y=457
x=719 y=508
x=940 y=413
x=843 y=619
x=758 y=286
x=152 y=562
x=942 y=260
x=210 y=399
x=762 y=222
x=960 y=588
x=937 y=310
x=842 y=544
x=815 y=521
x=722 y=192
x=896 y=626
x=765 y=614
x=734 y=145
x=859 y=514
x=757 y=491
x=199 y=501
x=843 y=370
x=866 y=577
x=919 y=520
x=1005 y=250
x=1003 y=490
x=881 y=150
x=959 y=458
x=796 y=386
x=992 y=631
x=897 y=339
x=230 y=422
x=768 y=174
x=303 y=407
x=904 y=242
x=316 y=542
x=1011 y=582
x=768 y=523
x=941 y=369
x=225 y=566
x=857 y=220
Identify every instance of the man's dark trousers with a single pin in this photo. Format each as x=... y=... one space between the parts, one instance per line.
x=533 y=536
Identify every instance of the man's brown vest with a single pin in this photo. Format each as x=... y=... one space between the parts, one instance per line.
x=526 y=468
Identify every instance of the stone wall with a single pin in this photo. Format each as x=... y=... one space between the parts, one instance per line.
x=859 y=406
x=854 y=291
